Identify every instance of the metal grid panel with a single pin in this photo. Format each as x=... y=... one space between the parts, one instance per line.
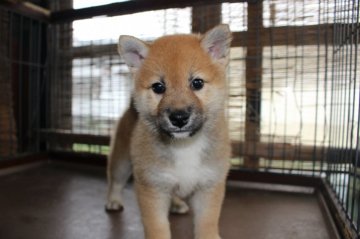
x=295 y=112
x=290 y=106
x=21 y=82
x=344 y=127
x=294 y=85
x=93 y=85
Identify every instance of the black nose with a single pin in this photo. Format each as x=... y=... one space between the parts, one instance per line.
x=179 y=118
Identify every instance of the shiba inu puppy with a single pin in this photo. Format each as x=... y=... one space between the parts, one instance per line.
x=174 y=137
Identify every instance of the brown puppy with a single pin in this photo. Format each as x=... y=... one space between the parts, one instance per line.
x=174 y=136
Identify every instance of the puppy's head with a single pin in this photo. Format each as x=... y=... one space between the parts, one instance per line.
x=179 y=80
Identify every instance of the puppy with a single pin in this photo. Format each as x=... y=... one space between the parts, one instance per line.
x=174 y=136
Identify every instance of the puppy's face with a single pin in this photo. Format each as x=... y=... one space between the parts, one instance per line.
x=179 y=80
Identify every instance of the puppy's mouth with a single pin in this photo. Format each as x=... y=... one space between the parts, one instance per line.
x=180 y=124
x=180 y=134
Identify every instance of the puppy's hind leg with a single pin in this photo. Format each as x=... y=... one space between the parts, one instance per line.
x=119 y=164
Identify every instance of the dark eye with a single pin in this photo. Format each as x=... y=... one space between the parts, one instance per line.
x=158 y=88
x=197 y=84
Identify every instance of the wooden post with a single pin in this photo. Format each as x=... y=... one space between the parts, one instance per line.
x=253 y=81
x=8 y=137
x=61 y=79
x=59 y=109
x=205 y=17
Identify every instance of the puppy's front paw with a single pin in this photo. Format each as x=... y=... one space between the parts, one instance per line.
x=113 y=206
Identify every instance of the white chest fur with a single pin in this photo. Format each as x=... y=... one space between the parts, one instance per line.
x=190 y=167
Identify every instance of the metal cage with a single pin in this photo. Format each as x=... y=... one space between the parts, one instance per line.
x=294 y=86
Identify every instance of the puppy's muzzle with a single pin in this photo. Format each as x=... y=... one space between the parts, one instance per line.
x=180 y=122
x=179 y=118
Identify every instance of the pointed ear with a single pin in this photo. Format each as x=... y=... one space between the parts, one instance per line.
x=133 y=51
x=216 y=43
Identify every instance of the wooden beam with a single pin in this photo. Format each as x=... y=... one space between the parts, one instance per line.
x=205 y=17
x=8 y=129
x=304 y=35
x=60 y=69
x=79 y=158
x=274 y=178
x=277 y=151
x=253 y=80
x=67 y=137
x=27 y=9
x=129 y=7
x=288 y=35
x=91 y=51
x=274 y=151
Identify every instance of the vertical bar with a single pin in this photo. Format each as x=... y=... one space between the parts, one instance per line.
x=349 y=82
x=7 y=121
x=325 y=128
x=340 y=118
x=205 y=17
x=30 y=65
x=356 y=194
x=338 y=107
x=332 y=133
x=271 y=40
x=253 y=81
x=317 y=91
x=38 y=85
x=295 y=81
x=293 y=84
x=11 y=77
x=286 y=85
x=20 y=86
x=302 y=85
x=343 y=110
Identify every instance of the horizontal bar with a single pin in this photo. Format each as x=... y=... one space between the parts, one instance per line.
x=129 y=7
x=67 y=137
x=27 y=9
x=300 y=35
x=92 y=51
x=274 y=178
x=289 y=35
x=276 y=151
x=234 y=174
x=280 y=151
x=79 y=158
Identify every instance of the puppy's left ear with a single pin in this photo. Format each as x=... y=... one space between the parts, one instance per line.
x=216 y=43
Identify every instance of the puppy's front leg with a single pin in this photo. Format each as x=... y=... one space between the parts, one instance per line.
x=207 y=207
x=154 y=207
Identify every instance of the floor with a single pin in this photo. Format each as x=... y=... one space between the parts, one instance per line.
x=57 y=201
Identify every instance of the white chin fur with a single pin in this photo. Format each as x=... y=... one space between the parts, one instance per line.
x=181 y=135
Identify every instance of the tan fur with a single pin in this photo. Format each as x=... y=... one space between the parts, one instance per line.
x=172 y=165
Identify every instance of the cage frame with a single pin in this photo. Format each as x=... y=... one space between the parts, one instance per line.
x=325 y=194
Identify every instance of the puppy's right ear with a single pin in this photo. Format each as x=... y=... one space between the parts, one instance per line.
x=133 y=51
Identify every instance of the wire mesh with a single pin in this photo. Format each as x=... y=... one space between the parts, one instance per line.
x=343 y=155
x=294 y=88
x=21 y=82
x=293 y=95
x=293 y=84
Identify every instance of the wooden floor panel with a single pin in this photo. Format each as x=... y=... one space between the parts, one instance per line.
x=56 y=201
